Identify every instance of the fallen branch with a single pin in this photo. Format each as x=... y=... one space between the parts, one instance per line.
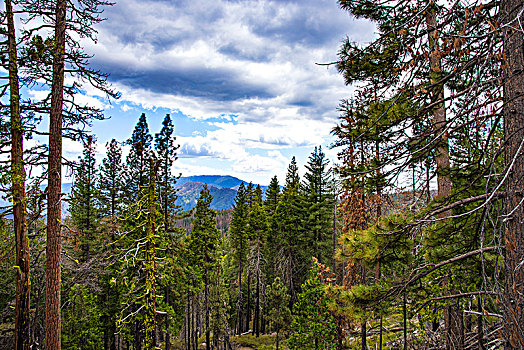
x=461 y=295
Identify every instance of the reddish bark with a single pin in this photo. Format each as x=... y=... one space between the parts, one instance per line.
x=54 y=205
x=514 y=136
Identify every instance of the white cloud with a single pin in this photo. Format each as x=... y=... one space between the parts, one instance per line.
x=249 y=63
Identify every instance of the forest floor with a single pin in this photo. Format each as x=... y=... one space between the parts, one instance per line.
x=250 y=342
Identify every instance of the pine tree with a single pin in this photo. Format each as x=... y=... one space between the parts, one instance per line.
x=313 y=325
x=54 y=169
x=257 y=231
x=318 y=195
x=238 y=236
x=292 y=177
x=18 y=178
x=137 y=160
x=414 y=64
x=137 y=263
x=205 y=240
x=167 y=154
x=111 y=182
x=84 y=198
x=288 y=234
x=279 y=314
x=511 y=13
x=150 y=265
x=272 y=196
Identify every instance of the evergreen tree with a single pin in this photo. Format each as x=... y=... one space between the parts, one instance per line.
x=137 y=263
x=137 y=160
x=167 y=153
x=111 y=182
x=150 y=266
x=82 y=323
x=110 y=187
x=318 y=195
x=257 y=230
x=272 y=196
x=313 y=325
x=420 y=52
x=18 y=181
x=250 y=194
x=511 y=12
x=84 y=198
x=279 y=314
x=238 y=236
x=205 y=240
x=288 y=235
x=292 y=177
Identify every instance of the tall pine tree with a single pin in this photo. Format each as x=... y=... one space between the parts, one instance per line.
x=318 y=196
x=166 y=151
x=137 y=160
x=84 y=198
x=204 y=243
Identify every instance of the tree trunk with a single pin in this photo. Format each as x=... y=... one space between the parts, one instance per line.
x=54 y=203
x=513 y=137
x=363 y=336
x=206 y=300
x=150 y=263
x=256 y=325
x=248 y=315
x=23 y=284
x=480 y=324
x=363 y=333
x=168 y=335
x=334 y=238
x=188 y=321
x=379 y=214
x=454 y=340
x=239 y=301
x=405 y=321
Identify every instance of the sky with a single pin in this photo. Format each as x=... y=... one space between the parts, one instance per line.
x=239 y=78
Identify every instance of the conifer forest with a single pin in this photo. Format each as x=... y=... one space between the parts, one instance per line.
x=411 y=238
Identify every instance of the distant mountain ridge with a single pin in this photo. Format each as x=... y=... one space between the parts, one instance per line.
x=219 y=181
x=223 y=188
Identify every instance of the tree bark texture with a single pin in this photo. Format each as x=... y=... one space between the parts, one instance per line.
x=54 y=205
x=150 y=264
x=513 y=110
x=206 y=300
x=23 y=284
x=239 y=301
x=454 y=337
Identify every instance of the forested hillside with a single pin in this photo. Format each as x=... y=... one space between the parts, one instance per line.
x=412 y=238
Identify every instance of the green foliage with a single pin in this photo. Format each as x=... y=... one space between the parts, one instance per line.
x=238 y=227
x=264 y=342
x=318 y=206
x=292 y=176
x=205 y=237
x=287 y=241
x=82 y=320
x=167 y=154
x=111 y=182
x=272 y=196
x=137 y=160
x=84 y=208
x=277 y=300
x=313 y=325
